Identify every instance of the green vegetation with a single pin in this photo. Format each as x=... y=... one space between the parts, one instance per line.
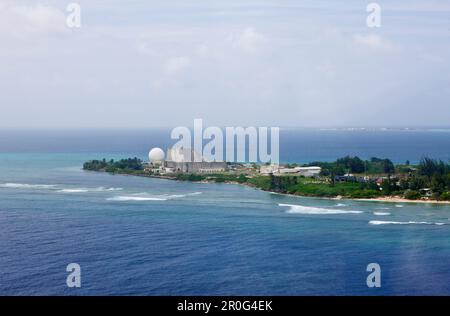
x=190 y=177
x=372 y=178
x=218 y=178
x=431 y=176
x=445 y=196
x=356 y=165
x=312 y=187
x=430 y=179
x=130 y=165
x=412 y=195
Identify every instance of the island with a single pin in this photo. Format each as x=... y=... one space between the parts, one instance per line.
x=348 y=177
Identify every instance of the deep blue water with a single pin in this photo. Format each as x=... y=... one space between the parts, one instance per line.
x=296 y=145
x=144 y=236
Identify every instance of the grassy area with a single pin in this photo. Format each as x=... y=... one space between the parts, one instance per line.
x=348 y=189
x=308 y=187
x=262 y=182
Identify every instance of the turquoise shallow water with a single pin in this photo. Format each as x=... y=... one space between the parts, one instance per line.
x=136 y=235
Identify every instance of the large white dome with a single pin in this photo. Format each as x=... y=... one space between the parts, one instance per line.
x=156 y=155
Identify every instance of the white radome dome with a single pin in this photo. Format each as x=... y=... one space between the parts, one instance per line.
x=156 y=155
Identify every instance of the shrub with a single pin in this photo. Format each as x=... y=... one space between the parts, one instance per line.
x=445 y=196
x=364 y=194
x=412 y=195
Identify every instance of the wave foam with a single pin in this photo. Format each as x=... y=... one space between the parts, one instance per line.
x=340 y=204
x=83 y=190
x=175 y=196
x=26 y=186
x=73 y=190
x=381 y=213
x=135 y=198
x=148 y=197
x=55 y=186
x=300 y=209
x=402 y=223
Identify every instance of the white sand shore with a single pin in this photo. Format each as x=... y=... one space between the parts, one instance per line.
x=391 y=199
x=398 y=199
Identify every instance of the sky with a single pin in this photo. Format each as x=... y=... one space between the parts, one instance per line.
x=143 y=64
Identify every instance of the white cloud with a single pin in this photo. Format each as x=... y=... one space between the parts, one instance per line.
x=177 y=64
x=294 y=60
x=249 y=40
x=373 y=41
x=27 y=20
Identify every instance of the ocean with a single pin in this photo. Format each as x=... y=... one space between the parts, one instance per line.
x=141 y=236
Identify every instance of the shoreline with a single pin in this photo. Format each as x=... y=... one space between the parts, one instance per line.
x=382 y=199
x=398 y=199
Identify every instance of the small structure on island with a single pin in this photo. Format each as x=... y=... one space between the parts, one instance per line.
x=269 y=169
x=312 y=171
x=187 y=160
x=156 y=156
x=155 y=160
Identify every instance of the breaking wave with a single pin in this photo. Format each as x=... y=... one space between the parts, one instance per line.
x=300 y=209
x=135 y=198
x=175 y=196
x=59 y=188
x=381 y=213
x=402 y=223
x=148 y=197
x=398 y=205
x=27 y=186
x=83 y=190
x=73 y=190
x=340 y=204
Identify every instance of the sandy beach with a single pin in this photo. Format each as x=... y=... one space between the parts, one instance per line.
x=398 y=199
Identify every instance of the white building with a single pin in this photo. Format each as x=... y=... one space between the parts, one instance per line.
x=268 y=169
x=309 y=171
x=181 y=160
x=301 y=171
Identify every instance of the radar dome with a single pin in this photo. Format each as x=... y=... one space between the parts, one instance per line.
x=156 y=155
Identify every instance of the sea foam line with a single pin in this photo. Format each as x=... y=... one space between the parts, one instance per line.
x=300 y=209
x=124 y=198
x=83 y=190
x=73 y=190
x=147 y=197
x=27 y=186
x=381 y=213
x=403 y=223
x=58 y=187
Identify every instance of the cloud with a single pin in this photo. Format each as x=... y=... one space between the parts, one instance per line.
x=177 y=64
x=270 y=62
x=22 y=21
x=249 y=40
x=373 y=41
x=170 y=75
